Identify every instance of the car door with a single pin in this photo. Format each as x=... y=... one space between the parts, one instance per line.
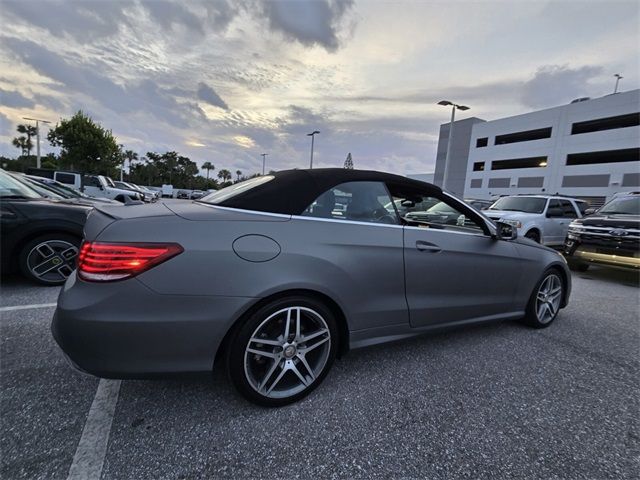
x=349 y=239
x=569 y=215
x=92 y=186
x=458 y=272
x=558 y=216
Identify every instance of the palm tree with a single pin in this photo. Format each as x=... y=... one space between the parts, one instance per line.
x=224 y=175
x=208 y=166
x=29 y=131
x=131 y=156
x=23 y=143
x=238 y=174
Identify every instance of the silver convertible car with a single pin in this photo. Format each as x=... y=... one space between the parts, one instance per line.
x=278 y=275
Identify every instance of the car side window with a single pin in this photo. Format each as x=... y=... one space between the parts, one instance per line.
x=91 y=181
x=567 y=209
x=67 y=178
x=582 y=206
x=431 y=212
x=356 y=201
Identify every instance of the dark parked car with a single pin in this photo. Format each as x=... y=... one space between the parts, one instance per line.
x=610 y=236
x=40 y=237
x=183 y=194
x=271 y=278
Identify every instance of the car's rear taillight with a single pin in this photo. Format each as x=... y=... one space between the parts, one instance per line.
x=105 y=262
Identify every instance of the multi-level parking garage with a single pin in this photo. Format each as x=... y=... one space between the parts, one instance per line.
x=589 y=149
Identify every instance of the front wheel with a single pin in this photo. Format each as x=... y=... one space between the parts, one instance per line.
x=283 y=351
x=545 y=300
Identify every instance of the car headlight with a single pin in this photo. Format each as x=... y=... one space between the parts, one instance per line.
x=575 y=226
x=513 y=223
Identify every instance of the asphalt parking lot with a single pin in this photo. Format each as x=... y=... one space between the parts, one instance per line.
x=498 y=401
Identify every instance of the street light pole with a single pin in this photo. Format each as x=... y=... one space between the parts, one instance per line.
x=264 y=155
x=447 y=159
x=37 y=120
x=618 y=78
x=312 y=135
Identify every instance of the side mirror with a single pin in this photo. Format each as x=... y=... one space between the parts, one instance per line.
x=506 y=231
x=554 y=212
x=590 y=211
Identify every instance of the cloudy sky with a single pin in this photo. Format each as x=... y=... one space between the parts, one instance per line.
x=224 y=81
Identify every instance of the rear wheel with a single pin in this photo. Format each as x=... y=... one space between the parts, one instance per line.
x=49 y=259
x=283 y=351
x=545 y=300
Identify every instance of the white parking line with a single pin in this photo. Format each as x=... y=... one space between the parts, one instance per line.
x=27 y=307
x=89 y=457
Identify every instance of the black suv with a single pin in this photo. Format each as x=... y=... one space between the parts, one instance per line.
x=610 y=236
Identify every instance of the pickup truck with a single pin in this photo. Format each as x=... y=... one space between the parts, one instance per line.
x=610 y=236
x=97 y=186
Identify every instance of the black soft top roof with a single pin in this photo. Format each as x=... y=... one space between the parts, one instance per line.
x=292 y=191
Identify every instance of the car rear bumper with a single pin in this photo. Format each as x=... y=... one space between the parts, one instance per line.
x=125 y=330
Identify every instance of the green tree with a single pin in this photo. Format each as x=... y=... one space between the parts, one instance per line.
x=23 y=143
x=169 y=167
x=29 y=131
x=130 y=156
x=85 y=145
x=238 y=175
x=208 y=166
x=224 y=175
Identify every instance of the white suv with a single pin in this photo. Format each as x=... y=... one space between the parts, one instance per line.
x=542 y=218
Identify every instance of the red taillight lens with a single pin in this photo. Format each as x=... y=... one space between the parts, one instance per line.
x=105 y=262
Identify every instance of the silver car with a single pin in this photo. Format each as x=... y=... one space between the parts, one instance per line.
x=270 y=277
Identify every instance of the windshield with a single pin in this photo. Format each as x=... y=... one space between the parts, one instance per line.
x=441 y=208
x=43 y=190
x=109 y=182
x=224 y=194
x=622 y=206
x=520 y=204
x=64 y=190
x=12 y=188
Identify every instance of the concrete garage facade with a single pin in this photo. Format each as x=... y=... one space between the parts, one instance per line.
x=589 y=148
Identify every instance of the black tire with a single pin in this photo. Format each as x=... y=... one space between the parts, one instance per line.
x=241 y=364
x=532 y=316
x=533 y=235
x=54 y=248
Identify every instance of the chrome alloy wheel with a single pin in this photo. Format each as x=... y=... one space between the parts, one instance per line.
x=548 y=298
x=287 y=352
x=52 y=261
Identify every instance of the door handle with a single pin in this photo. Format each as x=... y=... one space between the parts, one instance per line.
x=427 y=247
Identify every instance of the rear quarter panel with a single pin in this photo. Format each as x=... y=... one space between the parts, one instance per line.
x=358 y=266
